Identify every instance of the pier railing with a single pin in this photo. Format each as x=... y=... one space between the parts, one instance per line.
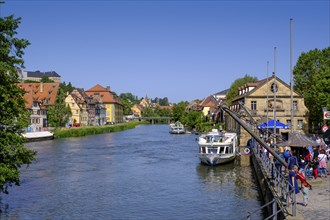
x=284 y=194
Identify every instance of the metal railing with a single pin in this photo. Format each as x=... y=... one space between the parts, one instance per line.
x=284 y=193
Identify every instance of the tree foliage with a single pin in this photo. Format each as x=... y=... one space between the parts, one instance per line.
x=46 y=79
x=128 y=100
x=233 y=90
x=58 y=114
x=312 y=80
x=178 y=111
x=13 y=115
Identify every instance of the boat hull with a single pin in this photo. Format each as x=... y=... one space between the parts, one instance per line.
x=38 y=136
x=216 y=159
x=177 y=132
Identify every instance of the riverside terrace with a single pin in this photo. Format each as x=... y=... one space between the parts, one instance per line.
x=318 y=202
x=275 y=190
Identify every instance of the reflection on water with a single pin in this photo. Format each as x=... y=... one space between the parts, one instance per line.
x=142 y=173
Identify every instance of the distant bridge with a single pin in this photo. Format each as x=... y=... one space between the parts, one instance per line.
x=153 y=119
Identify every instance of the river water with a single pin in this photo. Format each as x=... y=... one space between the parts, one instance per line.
x=142 y=173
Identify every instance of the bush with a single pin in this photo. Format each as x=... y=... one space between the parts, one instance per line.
x=83 y=131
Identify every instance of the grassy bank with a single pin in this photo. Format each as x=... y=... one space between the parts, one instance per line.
x=83 y=131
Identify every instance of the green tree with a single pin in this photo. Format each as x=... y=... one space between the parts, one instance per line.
x=46 y=79
x=163 y=112
x=58 y=114
x=128 y=100
x=13 y=115
x=312 y=80
x=193 y=119
x=233 y=90
x=163 y=102
x=178 y=111
x=148 y=112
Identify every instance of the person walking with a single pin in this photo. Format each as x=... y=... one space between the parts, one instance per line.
x=292 y=161
x=322 y=159
x=305 y=187
x=293 y=184
x=315 y=162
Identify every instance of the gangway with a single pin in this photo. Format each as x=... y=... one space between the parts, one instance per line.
x=233 y=114
x=264 y=131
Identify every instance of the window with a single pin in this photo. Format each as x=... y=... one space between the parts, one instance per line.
x=288 y=122
x=76 y=111
x=253 y=105
x=295 y=105
x=300 y=124
x=72 y=104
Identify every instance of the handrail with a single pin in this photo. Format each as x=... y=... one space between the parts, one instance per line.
x=281 y=187
x=279 y=183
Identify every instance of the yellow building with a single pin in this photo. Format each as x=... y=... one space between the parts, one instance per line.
x=79 y=108
x=114 y=108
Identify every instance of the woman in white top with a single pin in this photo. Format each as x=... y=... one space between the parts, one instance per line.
x=322 y=158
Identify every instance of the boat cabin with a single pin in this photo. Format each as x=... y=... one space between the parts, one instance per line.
x=225 y=149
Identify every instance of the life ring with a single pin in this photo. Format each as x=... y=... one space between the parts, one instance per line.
x=246 y=150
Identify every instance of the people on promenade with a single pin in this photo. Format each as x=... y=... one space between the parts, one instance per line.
x=293 y=179
x=322 y=159
x=315 y=162
x=286 y=155
x=292 y=161
x=308 y=160
x=302 y=166
x=305 y=187
x=278 y=164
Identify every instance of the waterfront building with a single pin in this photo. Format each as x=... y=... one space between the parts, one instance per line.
x=137 y=110
x=220 y=97
x=77 y=101
x=114 y=108
x=209 y=107
x=38 y=97
x=266 y=97
x=38 y=75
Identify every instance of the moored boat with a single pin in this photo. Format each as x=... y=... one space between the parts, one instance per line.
x=217 y=147
x=177 y=128
x=38 y=136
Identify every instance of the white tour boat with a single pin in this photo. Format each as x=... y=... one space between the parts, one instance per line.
x=217 y=147
x=38 y=136
x=177 y=128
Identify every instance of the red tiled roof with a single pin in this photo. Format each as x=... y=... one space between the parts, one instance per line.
x=103 y=94
x=209 y=102
x=41 y=92
x=97 y=88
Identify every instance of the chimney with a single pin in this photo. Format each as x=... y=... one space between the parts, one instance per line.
x=41 y=87
x=108 y=88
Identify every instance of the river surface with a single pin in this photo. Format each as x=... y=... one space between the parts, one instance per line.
x=142 y=173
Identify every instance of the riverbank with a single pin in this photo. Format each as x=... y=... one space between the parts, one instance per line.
x=91 y=130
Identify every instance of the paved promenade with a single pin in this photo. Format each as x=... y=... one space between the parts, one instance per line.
x=318 y=207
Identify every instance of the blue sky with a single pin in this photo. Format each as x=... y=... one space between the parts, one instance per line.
x=183 y=50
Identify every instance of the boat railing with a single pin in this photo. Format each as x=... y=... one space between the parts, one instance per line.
x=284 y=196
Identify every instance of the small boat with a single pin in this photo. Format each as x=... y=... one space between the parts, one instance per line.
x=38 y=136
x=177 y=128
x=217 y=147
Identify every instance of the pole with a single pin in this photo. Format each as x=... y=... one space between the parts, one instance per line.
x=225 y=108
x=267 y=101
x=291 y=76
x=274 y=90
